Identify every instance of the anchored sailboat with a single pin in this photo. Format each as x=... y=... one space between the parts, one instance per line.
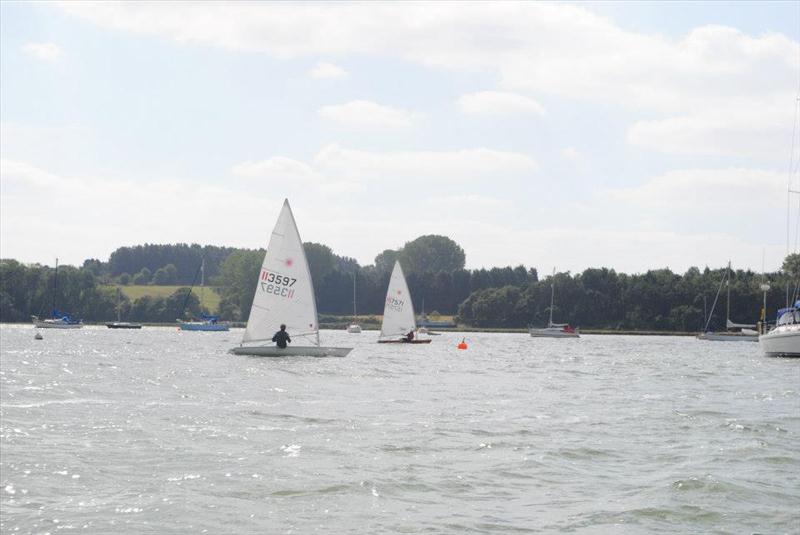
x=206 y=322
x=57 y=320
x=399 y=326
x=554 y=330
x=354 y=327
x=285 y=295
x=736 y=332
x=119 y=324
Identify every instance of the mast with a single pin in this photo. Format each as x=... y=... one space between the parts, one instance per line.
x=118 y=303
x=55 y=288
x=728 y=284
x=202 y=283
x=354 y=297
x=552 y=296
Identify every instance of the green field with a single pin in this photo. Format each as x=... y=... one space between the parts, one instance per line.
x=210 y=297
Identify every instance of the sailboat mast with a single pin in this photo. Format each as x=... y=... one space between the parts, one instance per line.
x=118 y=304
x=55 y=286
x=354 y=297
x=202 y=282
x=552 y=296
x=728 y=284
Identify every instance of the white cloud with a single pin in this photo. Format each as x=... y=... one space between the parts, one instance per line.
x=499 y=103
x=708 y=193
x=683 y=84
x=366 y=114
x=42 y=51
x=277 y=167
x=100 y=209
x=572 y=154
x=550 y=48
x=751 y=129
x=94 y=215
x=327 y=70
x=430 y=167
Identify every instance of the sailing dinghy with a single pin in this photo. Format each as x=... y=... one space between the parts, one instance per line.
x=285 y=295
x=398 y=312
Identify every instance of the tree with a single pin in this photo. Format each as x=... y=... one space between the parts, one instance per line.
x=432 y=253
x=143 y=277
x=237 y=279
x=166 y=275
x=791 y=265
x=321 y=260
x=384 y=262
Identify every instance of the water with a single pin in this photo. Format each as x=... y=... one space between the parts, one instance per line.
x=160 y=431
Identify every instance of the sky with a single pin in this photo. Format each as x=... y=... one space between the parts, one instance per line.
x=628 y=135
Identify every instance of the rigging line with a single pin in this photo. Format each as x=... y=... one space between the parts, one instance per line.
x=790 y=173
x=189 y=293
x=710 y=314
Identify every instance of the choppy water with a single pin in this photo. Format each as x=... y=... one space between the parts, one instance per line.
x=160 y=431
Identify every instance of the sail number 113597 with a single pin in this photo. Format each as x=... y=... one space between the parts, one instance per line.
x=276 y=284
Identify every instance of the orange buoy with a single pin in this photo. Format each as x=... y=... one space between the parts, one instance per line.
x=462 y=344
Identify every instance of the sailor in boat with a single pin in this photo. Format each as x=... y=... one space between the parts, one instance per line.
x=281 y=337
x=409 y=337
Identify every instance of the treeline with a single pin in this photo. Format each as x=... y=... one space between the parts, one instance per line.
x=159 y=264
x=434 y=268
x=604 y=299
x=27 y=290
x=434 y=265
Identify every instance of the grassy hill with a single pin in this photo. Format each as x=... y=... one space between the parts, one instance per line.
x=210 y=298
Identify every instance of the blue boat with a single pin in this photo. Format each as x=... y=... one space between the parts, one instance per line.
x=205 y=323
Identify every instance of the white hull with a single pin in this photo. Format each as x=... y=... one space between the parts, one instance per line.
x=553 y=332
x=783 y=340
x=292 y=351
x=728 y=337
x=55 y=324
x=204 y=326
x=354 y=328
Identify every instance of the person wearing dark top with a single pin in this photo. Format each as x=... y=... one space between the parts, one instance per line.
x=409 y=337
x=281 y=337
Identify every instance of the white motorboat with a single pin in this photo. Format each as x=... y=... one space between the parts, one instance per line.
x=784 y=339
x=284 y=295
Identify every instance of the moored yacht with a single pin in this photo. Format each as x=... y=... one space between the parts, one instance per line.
x=784 y=339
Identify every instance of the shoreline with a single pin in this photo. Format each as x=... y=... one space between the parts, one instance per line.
x=459 y=329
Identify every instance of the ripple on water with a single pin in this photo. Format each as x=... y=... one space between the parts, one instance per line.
x=614 y=434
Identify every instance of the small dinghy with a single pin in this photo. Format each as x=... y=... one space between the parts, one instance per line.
x=399 y=325
x=285 y=296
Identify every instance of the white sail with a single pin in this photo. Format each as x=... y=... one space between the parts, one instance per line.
x=284 y=292
x=731 y=325
x=398 y=312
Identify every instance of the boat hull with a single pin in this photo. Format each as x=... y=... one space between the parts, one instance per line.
x=553 y=333
x=200 y=326
x=781 y=342
x=123 y=325
x=728 y=337
x=291 y=351
x=55 y=324
x=404 y=341
x=354 y=329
